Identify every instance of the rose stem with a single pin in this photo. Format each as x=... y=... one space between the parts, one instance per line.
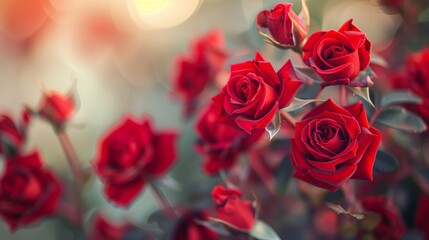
x=343 y=95
x=288 y=118
x=75 y=166
x=162 y=200
x=350 y=195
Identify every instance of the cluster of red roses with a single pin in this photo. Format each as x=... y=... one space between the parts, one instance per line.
x=331 y=143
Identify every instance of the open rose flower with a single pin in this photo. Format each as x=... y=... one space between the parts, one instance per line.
x=284 y=25
x=28 y=192
x=220 y=143
x=338 y=56
x=254 y=93
x=391 y=225
x=195 y=72
x=333 y=144
x=188 y=227
x=56 y=107
x=130 y=155
x=12 y=136
x=416 y=78
x=232 y=210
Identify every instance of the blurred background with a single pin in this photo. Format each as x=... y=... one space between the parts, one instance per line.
x=121 y=53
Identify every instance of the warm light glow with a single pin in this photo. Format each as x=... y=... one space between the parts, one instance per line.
x=161 y=14
x=151 y=6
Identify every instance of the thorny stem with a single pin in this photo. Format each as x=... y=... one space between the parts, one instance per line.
x=343 y=95
x=163 y=201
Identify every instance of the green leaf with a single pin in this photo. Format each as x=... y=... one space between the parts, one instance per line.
x=370 y=221
x=307 y=74
x=385 y=162
x=263 y=231
x=363 y=93
x=399 y=97
x=274 y=126
x=364 y=79
x=401 y=119
x=298 y=103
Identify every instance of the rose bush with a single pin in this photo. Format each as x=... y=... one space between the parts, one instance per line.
x=255 y=92
x=220 y=143
x=284 y=25
x=333 y=144
x=130 y=155
x=28 y=192
x=338 y=56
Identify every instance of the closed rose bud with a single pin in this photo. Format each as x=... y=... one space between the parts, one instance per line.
x=283 y=24
x=12 y=137
x=58 y=108
x=28 y=192
x=234 y=212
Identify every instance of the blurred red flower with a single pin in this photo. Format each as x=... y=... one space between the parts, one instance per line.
x=188 y=227
x=28 y=192
x=130 y=155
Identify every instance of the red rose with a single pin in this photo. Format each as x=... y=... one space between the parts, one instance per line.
x=28 y=192
x=220 y=143
x=130 y=155
x=333 y=144
x=58 y=108
x=102 y=229
x=231 y=210
x=207 y=58
x=188 y=227
x=255 y=92
x=338 y=56
x=416 y=79
x=284 y=25
x=422 y=216
x=12 y=136
x=391 y=225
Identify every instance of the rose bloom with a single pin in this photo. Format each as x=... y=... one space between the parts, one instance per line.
x=12 y=136
x=333 y=144
x=103 y=229
x=194 y=72
x=188 y=227
x=28 y=192
x=56 y=107
x=416 y=78
x=221 y=144
x=283 y=24
x=231 y=210
x=131 y=154
x=254 y=93
x=391 y=225
x=338 y=56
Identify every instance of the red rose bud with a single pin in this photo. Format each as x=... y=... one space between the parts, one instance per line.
x=221 y=144
x=422 y=216
x=232 y=211
x=103 y=229
x=188 y=227
x=254 y=93
x=338 y=56
x=283 y=24
x=58 y=108
x=28 y=192
x=391 y=225
x=130 y=155
x=12 y=137
x=333 y=144
x=194 y=72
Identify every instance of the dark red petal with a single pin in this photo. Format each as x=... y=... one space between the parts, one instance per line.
x=165 y=154
x=123 y=195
